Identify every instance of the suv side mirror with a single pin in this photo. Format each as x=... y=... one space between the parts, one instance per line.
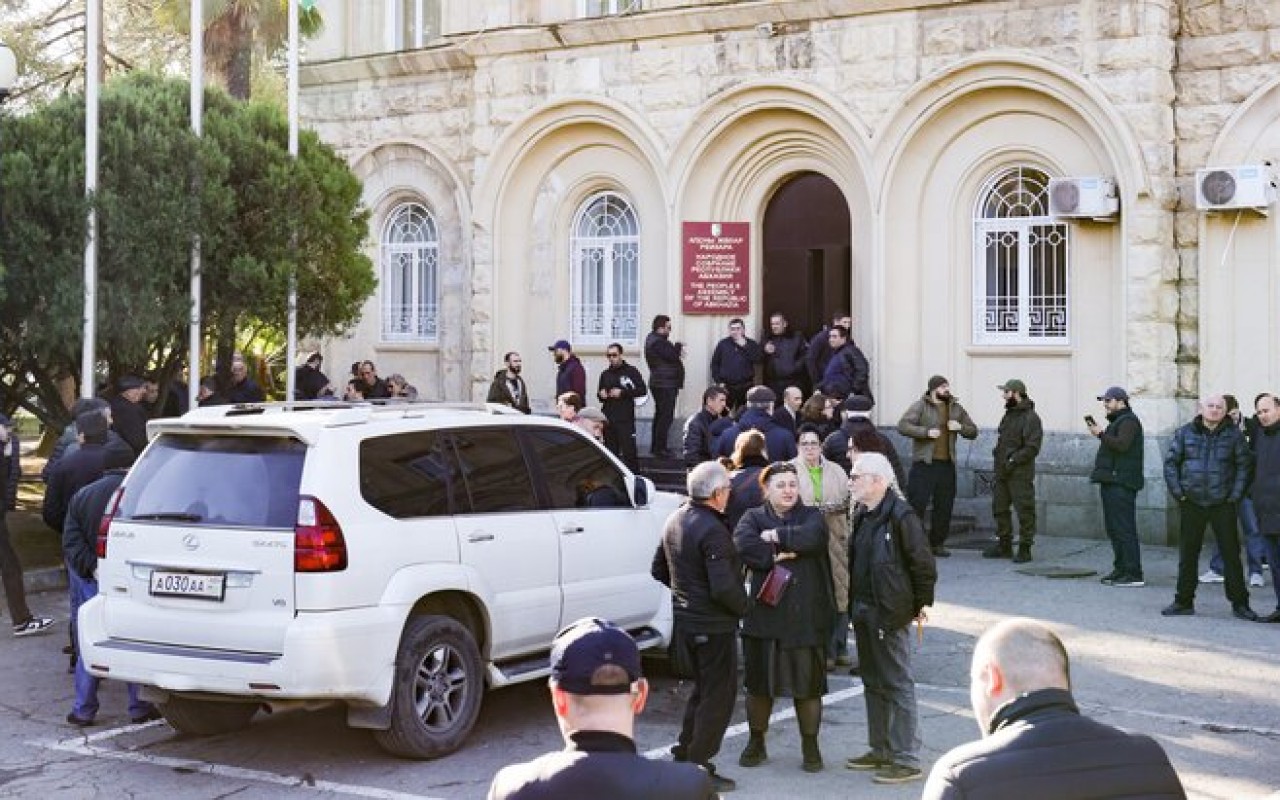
x=641 y=492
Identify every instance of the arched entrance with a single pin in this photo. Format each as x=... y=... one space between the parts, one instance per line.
x=807 y=252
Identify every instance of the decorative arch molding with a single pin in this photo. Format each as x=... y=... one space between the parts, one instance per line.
x=524 y=136
x=377 y=165
x=829 y=133
x=936 y=93
x=1245 y=132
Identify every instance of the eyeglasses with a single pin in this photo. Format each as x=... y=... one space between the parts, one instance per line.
x=853 y=476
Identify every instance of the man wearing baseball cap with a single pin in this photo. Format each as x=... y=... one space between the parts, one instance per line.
x=1118 y=472
x=571 y=376
x=1014 y=461
x=596 y=691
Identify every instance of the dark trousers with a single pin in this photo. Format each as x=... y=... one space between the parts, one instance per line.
x=15 y=592
x=715 y=689
x=884 y=660
x=1191 y=538
x=933 y=481
x=620 y=438
x=1120 y=517
x=1017 y=489
x=737 y=395
x=1272 y=545
x=664 y=410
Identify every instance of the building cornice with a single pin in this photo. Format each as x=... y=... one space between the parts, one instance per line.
x=462 y=50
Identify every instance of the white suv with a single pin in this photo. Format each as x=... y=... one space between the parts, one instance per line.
x=395 y=558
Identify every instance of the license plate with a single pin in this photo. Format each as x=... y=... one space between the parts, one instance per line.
x=201 y=586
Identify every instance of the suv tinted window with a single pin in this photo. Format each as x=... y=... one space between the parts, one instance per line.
x=217 y=480
x=577 y=474
x=411 y=475
x=497 y=477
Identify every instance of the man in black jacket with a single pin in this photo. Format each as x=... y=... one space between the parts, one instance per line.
x=1118 y=472
x=596 y=692
x=697 y=560
x=703 y=427
x=848 y=372
x=734 y=361
x=127 y=415
x=1013 y=460
x=891 y=578
x=79 y=547
x=666 y=379
x=819 y=351
x=620 y=386
x=1265 y=489
x=784 y=351
x=1035 y=743
x=1207 y=469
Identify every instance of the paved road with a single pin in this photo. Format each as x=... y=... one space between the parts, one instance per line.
x=1204 y=686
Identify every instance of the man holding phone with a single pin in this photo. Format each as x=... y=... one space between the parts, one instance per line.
x=1117 y=470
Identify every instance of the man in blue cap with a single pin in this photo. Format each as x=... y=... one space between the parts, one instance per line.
x=1118 y=472
x=571 y=376
x=596 y=691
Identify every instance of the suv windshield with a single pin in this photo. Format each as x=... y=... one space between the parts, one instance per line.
x=217 y=481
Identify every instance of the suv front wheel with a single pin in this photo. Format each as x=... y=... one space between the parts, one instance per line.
x=437 y=691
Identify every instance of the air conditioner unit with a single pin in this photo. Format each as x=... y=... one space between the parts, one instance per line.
x=1251 y=187
x=1083 y=198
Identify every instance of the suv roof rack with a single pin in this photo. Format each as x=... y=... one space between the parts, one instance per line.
x=378 y=404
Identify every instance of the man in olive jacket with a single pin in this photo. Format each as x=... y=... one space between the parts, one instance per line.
x=891 y=576
x=1014 y=461
x=1118 y=472
x=696 y=559
x=1207 y=469
x=932 y=423
x=1036 y=743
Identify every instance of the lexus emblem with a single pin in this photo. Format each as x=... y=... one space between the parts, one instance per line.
x=191 y=541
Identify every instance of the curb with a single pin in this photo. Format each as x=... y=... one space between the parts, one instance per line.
x=45 y=580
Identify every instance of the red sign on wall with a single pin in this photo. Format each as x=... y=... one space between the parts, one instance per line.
x=716 y=274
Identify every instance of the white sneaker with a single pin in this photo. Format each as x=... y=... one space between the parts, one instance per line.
x=1210 y=576
x=32 y=626
x=1255 y=580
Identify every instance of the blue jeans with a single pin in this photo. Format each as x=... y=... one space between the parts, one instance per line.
x=86 y=704
x=1254 y=547
x=1119 y=515
x=893 y=718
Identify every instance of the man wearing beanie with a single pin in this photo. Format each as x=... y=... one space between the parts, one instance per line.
x=596 y=691
x=932 y=423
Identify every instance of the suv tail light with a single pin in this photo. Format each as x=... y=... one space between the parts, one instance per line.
x=318 y=545
x=104 y=526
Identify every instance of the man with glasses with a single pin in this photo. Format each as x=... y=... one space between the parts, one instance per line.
x=696 y=559
x=892 y=574
x=620 y=385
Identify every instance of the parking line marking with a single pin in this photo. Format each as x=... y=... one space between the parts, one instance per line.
x=87 y=746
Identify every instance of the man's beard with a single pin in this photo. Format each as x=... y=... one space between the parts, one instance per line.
x=943 y=397
x=1012 y=402
x=559 y=357
x=514 y=369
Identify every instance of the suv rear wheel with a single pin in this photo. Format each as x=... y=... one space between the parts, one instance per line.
x=206 y=717
x=437 y=691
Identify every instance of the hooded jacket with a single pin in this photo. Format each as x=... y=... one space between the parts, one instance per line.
x=1018 y=441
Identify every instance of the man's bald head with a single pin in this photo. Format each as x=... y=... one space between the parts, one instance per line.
x=1013 y=658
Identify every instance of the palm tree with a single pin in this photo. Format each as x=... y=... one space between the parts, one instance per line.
x=238 y=31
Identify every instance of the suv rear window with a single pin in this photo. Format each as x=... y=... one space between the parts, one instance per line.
x=218 y=481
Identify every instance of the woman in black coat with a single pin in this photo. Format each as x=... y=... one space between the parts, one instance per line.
x=783 y=645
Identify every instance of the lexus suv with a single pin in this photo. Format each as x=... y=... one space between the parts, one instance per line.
x=398 y=559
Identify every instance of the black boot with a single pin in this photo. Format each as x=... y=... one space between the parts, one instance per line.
x=1024 y=553
x=754 y=754
x=812 y=755
x=1003 y=548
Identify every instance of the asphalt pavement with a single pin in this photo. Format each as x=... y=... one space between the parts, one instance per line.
x=1204 y=686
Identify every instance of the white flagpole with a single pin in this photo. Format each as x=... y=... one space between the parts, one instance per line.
x=92 y=77
x=197 y=126
x=291 y=338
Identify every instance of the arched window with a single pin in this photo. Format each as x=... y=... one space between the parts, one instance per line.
x=410 y=276
x=604 y=253
x=1020 y=263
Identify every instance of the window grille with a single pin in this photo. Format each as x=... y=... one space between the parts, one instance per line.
x=412 y=23
x=605 y=8
x=605 y=262
x=1020 y=263
x=410 y=276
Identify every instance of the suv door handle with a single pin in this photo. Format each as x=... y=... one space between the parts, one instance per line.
x=479 y=536
x=570 y=530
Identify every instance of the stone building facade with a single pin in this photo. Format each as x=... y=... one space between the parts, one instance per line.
x=489 y=134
